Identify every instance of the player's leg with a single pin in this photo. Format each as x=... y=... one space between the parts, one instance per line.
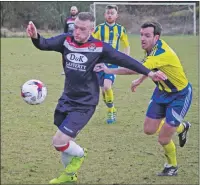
x=175 y=114
x=103 y=95
x=165 y=140
x=182 y=104
x=182 y=131
x=100 y=76
x=72 y=154
x=153 y=123
x=154 y=118
x=109 y=97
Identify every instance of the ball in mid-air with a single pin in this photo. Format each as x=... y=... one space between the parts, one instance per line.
x=33 y=92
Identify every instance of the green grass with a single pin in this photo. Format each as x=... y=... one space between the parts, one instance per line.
x=120 y=153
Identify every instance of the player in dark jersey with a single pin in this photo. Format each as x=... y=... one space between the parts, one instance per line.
x=80 y=52
x=69 y=21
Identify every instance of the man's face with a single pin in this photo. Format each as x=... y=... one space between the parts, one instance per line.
x=73 y=11
x=148 y=39
x=82 y=30
x=110 y=15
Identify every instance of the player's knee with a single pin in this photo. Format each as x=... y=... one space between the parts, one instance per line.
x=60 y=143
x=149 y=130
x=107 y=87
x=56 y=140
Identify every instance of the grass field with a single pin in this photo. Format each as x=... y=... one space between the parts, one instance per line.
x=118 y=154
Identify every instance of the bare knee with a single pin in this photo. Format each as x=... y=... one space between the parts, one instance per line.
x=149 y=129
x=106 y=87
x=166 y=134
x=151 y=125
x=60 y=139
x=107 y=84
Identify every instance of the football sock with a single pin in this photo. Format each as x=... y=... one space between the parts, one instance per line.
x=74 y=149
x=104 y=97
x=66 y=159
x=180 y=128
x=109 y=100
x=71 y=148
x=160 y=126
x=170 y=153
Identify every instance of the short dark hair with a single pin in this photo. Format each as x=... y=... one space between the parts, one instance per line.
x=108 y=7
x=156 y=25
x=84 y=16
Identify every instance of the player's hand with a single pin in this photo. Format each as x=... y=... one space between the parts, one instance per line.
x=135 y=84
x=157 y=76
x=31 y=30
x=101 y=67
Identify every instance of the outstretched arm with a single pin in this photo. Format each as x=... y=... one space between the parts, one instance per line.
x=115 y=71
x=118 y=58
x=51 y=44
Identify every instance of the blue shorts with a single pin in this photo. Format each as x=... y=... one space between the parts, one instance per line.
x=102 y=76
x=172 y=106
x=71 y=120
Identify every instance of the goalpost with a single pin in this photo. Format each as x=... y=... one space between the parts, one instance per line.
x=94 y=8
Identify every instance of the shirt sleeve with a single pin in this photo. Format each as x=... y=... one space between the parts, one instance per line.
x=96 y=34
x=124 y=38
x=50 y=44
x=155 y=62
x=116 y=57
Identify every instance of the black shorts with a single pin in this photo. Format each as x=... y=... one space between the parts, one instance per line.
x=73 y=119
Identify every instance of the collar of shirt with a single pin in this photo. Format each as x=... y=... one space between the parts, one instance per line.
x=109 y=25
x=152 y=52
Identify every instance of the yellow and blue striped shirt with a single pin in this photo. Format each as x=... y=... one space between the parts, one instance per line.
x=163 y=58
x=112 y=34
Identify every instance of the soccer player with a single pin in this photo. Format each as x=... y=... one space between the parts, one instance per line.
x=171 y=98
x=80 y=52
x=69 y=23
x=112 y=33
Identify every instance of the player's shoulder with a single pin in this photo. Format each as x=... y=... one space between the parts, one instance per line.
x=164 y=51
x=98 y=42
x=167 y=48
x=97 y=28
x=92 y=39
x=119 y=25
x=102 y=24
x=161 y=48
x=68 y=18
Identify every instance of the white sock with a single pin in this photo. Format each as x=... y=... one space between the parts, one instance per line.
x=74 y=149
x=66 y=159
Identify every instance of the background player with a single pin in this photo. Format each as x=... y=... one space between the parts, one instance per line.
x=80 y=96
x=171 y=98
x=69 y=23
x=112 y=33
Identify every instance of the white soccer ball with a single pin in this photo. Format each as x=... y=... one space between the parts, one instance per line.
x=33 y=92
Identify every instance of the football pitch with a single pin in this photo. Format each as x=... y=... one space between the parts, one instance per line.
x=117 y=154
